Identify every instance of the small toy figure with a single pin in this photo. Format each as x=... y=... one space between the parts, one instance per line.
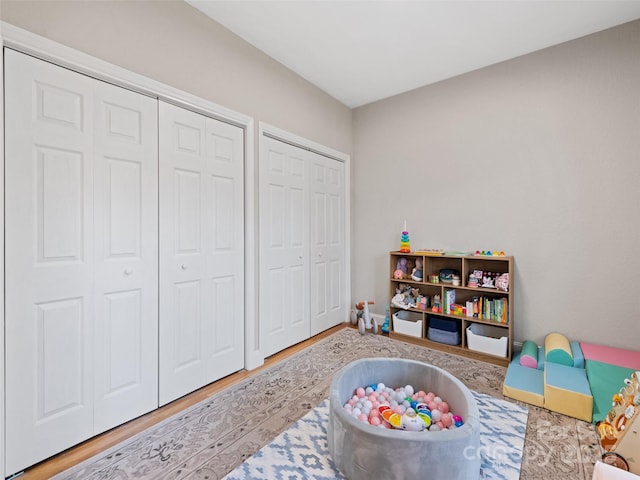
x=385 y=324
x=416 y=273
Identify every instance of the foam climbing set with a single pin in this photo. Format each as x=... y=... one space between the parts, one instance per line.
x=577 y=379
x=552 y=376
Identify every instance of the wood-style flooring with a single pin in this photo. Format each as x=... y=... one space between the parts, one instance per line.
x=93 y=446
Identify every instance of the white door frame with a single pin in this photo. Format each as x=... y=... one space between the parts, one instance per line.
x=46 y=49
x=267 y=130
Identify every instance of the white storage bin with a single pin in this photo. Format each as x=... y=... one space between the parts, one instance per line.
x=408 y=323
x=487 y=339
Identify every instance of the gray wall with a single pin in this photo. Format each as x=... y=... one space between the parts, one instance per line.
x=538 y=156
x=174 y=43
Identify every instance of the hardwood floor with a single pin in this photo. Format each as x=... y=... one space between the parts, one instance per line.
x=79 y=453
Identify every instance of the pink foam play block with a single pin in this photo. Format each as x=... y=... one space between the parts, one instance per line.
x=611 y=355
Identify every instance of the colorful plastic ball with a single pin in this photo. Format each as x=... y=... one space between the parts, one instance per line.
x=436 y=415
x=375 y=421
x=443 y=407
x=360 y=392
x=457 y=420
x=447 y=420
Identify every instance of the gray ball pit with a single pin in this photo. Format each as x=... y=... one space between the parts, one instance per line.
x=363 y=452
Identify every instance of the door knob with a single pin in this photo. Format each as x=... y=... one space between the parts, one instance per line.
x=128 y=271
x=184 y=266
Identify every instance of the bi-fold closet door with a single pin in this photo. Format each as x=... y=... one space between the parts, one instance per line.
x=81 y=258
x=201 y=251
x=302 y=244
x=89 y=246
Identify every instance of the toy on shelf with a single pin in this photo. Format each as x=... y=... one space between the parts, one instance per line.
x=489 y=253
x=405 y=296
x=416 y=273
x=430 y=252
x=362 y=317
x=401 y=269
x=405 y=244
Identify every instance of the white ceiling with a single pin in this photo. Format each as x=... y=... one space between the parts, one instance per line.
x=363 y=51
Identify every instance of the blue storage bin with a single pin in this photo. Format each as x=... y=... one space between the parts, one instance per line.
x=444 y=330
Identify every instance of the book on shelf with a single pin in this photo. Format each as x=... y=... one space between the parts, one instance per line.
x=486 y=308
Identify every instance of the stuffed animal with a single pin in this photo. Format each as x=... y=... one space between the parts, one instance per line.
x=416 y=273
x=402 y=265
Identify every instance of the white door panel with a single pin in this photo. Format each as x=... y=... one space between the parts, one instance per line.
x=81 y=204
x=126 y=255
x=328 y=248
x=284 y=246
x=48 y=261
x=202 y=251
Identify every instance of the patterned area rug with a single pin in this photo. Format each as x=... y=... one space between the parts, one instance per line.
x=210 y=439
x=301 y=452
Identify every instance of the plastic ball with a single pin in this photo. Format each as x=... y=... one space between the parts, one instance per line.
x=375 y=421
x=360 y=392
x=408 y=389
x=447 y=420
x=444 y=407
x=436 y=415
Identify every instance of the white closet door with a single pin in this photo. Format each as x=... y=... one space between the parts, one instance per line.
x=126 y=255
x=284 y=245
x=328 y=306
x=201 y=251
x=56 y=360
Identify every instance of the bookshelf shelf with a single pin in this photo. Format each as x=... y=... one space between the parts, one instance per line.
x=496 y=303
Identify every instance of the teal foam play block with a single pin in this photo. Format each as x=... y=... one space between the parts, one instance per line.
x=524 y=383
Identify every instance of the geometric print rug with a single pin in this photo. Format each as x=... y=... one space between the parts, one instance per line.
x=301 y=452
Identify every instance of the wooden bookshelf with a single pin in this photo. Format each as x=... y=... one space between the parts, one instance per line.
x=489 y=329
